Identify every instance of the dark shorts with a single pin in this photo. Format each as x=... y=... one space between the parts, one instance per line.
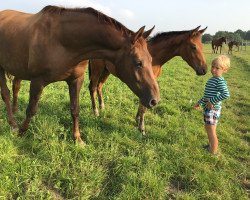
x=211 y=117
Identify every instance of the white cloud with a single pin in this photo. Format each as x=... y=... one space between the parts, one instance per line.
x=125 y=13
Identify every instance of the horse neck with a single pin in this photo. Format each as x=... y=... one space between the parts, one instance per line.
x=163 y=50
x=102 y=40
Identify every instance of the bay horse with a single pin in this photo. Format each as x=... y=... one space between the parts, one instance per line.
x=47 y=46
x=231 y=44
x=216 y=43
x=162 y=47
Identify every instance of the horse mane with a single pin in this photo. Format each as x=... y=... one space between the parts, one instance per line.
x=101 y=17
x=166 y=35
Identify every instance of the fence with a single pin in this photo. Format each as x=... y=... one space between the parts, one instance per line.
x=244 y=44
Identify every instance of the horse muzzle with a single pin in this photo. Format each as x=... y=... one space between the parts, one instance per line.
x=150 y=103
x=201 y=71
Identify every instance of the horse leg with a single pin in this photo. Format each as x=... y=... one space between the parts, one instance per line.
x=214 y=48
x=92 y=91
x=140 y=118
x=5 y=93
x=15 y=89
x=36 y=88
x=74 y=90
x=104 y=76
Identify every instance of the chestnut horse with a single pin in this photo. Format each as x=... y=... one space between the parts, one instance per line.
x=46 y=47
x=216 y=43
x=231 y=44
x=163 y=47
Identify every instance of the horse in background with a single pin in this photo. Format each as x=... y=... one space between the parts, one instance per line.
x=216 y=43
x=162 y=47
x=231 y=44
x=47 y=47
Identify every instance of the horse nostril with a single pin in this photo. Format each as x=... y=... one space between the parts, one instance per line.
x=152 y=103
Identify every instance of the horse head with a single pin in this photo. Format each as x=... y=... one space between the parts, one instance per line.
x=192 y=51
x=137 y=73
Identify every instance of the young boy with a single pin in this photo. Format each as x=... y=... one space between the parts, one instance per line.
x=215 y=91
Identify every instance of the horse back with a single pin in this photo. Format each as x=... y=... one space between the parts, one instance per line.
x=25 y=42
x=14 y=27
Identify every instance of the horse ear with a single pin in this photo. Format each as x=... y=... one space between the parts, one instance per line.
x=197 y=28
x=194 y=31
x=138 y=34
x=147 y=33
x=202 y=31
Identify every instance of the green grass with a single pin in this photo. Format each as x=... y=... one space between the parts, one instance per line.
x=117 y=162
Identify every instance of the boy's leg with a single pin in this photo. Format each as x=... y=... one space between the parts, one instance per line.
x=212 y=137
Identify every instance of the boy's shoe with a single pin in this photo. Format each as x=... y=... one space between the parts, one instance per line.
x=206 y=147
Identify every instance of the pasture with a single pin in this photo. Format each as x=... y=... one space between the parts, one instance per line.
x=117 y=162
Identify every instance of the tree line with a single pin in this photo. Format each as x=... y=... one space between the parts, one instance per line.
x=238 y=36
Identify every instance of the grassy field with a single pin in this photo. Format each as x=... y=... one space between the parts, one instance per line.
x=117 y=162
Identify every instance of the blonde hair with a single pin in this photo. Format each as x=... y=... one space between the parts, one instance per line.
x=222 y=61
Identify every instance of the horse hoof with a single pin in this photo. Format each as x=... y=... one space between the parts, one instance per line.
x=21 y=132
x=80 y=143
x=143 y=133
x=102 y=107
x=96 y=113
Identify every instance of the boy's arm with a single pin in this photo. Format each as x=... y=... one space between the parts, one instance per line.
x=198 y=105
x=202 y=101
x=224 y=93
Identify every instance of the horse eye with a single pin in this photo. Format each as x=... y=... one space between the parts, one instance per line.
x=139 y=63
x=193 y=47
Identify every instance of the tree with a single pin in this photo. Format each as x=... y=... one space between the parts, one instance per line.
x=241 y=33
x=247 y=36
x=207 y=38
x=233 y=37
x=230 y=36
x=220 y=34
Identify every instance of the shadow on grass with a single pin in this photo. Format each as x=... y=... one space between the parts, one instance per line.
x=179 y=184
x=31 y=145
x=112 y=184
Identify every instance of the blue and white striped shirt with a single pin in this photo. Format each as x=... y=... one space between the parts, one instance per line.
x=215 y=91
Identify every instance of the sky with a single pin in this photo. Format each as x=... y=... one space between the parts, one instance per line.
x=166 y=15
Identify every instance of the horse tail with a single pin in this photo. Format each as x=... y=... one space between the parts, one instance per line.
x=89 y=68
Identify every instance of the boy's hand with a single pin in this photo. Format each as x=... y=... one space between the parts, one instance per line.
x=209 y=105
x=197 y=106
